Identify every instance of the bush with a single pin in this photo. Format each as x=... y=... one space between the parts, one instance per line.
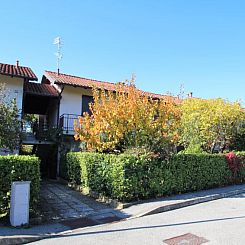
x=128 y=177
x=18 y=168
x=241 y=174
x=63 y=167
x=192 y=172
x=26 y=150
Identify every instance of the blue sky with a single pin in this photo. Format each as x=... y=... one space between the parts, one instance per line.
x=199 y=44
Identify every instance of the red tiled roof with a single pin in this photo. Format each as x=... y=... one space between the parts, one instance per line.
x=79 y=81
x=90 y=83
x=17 y=71
x=40 y=89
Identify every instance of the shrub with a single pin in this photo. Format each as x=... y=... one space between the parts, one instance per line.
x=128 y=118
x=192 y=172
x=234 y=164
x=90 y=170
x=63 y=167
x=18 y=168
x=129 y=177
x=9 y=120
x=26 y=150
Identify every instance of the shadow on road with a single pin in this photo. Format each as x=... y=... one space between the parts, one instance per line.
x=147 y=227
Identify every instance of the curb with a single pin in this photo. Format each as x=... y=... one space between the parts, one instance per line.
x=20 y=240
x=190 y=202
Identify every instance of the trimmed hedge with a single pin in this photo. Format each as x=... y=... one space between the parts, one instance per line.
x=241 y=156
x=127 y=177
x=18 y=168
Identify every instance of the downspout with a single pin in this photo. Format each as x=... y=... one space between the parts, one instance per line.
x=58 y=117
x=58 y=113
x=22 y=112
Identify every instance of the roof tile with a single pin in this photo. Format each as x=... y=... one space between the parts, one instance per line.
x=40 y=89
x=17 y=71
x=90 y=83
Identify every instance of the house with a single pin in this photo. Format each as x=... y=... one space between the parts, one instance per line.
x=56 y=102
x=76 y=95
x=14 y=77
x=32 y=99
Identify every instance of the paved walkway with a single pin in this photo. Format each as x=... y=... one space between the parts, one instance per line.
x=59 y=202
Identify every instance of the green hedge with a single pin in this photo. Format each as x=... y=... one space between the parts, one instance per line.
x=128 y=177
x=241 y=155
x=18 y=168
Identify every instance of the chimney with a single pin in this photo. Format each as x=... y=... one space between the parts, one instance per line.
x=17 y=63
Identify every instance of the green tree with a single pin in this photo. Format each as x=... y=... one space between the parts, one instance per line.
x=9 y=120
x=208 y=124
x=238 y=143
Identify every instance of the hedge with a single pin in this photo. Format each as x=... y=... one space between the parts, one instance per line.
x=128 y=177
x=241 y=156
x=18 y=168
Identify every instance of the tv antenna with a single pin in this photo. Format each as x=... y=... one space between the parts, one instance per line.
x=181 y=91
x=58 y=54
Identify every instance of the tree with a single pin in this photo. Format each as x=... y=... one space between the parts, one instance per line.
x=238 y=142
x=206 y=124
x=9 y=120
x=128 y=119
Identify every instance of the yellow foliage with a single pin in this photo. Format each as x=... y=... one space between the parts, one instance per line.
x=129 y=118
x=207 y=122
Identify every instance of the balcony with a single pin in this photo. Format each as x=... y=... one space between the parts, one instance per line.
x=66 y=123
x=36 y=133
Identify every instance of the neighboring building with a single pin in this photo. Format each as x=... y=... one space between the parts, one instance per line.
x=14 y=77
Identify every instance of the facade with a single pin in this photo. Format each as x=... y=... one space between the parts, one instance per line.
x=54 y=104
x=14 y=77
x=75 y=96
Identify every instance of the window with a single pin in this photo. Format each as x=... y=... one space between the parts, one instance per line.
x=86 y=100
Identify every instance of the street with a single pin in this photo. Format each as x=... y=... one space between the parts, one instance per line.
x=216 y=222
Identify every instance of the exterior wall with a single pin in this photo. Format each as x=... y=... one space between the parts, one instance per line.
x=71 y=101
x=14 y=86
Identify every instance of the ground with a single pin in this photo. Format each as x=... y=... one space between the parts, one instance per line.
x=60 y=203
x=216 y=222
x=71 y=216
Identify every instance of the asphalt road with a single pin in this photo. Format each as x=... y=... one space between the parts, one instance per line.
x=217 y=222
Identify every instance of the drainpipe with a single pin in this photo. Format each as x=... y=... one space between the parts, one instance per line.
x=22 y=107
x=58 y=117
x=58 y=113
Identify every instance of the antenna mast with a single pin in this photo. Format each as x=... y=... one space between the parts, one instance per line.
x=58 y=54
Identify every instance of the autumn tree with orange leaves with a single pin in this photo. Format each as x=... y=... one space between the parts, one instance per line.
x=129 y=119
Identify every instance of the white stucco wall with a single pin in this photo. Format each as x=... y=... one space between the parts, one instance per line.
x=71 y=103
x=14 y=89
x=14 y=86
